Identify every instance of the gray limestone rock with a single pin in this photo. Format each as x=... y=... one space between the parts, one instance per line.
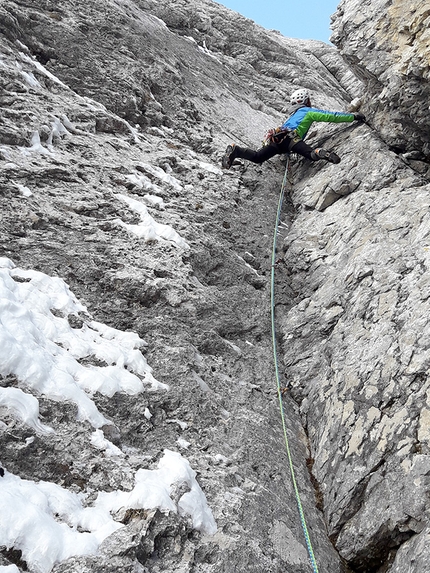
x=386 y=45
x=114 y=116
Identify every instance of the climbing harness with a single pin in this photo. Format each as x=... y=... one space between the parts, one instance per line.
x=281 y=390
x=277 y=136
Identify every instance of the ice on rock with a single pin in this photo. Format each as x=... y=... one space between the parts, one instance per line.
x=42 y=350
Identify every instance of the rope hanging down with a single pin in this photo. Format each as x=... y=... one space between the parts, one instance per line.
x=275 y=354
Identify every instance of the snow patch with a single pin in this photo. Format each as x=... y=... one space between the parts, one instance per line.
x=154 y=201
x=210 y=168
x=153 y=489
x=57 y=130
x=25 y=191
x=162 y=175
x=203 y=386
x=23 y=406
x=6 y=152
x=30 y=79
x=42 y=69
x=41 y=520
x=181 y=424
x=36 y=146
x=101 y=443
x=42 y=350
x=183 y=443
x=148 y=228
x=207 y=52
x=143 y=182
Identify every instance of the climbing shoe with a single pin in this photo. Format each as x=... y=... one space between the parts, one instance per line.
x=330 y=156
x=228 y=156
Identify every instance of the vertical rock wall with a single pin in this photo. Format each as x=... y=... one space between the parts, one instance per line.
x=356 y=327
x=387 y=44
x=103 y=101
x=113 y=123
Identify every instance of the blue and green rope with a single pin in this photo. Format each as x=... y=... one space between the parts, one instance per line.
x=275 y=354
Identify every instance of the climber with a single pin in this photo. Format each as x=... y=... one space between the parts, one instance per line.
x=289 y=137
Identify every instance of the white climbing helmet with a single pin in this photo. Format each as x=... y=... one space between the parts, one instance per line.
x=299 y=97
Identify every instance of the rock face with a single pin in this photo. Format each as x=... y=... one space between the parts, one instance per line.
x=113 y=119
x=386 y=43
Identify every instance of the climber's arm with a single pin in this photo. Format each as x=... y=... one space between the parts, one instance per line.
x=322 y=115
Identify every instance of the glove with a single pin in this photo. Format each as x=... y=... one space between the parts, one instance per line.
x=359 y=117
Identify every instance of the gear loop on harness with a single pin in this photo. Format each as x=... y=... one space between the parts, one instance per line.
x=281 y=390
x=277 y=135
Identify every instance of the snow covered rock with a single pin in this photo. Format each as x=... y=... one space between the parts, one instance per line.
x=139 y=412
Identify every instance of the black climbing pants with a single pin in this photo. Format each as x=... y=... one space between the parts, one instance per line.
x=269 y=151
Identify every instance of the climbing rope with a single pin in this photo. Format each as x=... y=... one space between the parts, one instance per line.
x=275 y=354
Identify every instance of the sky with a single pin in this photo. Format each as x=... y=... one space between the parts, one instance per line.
x=308 y=20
